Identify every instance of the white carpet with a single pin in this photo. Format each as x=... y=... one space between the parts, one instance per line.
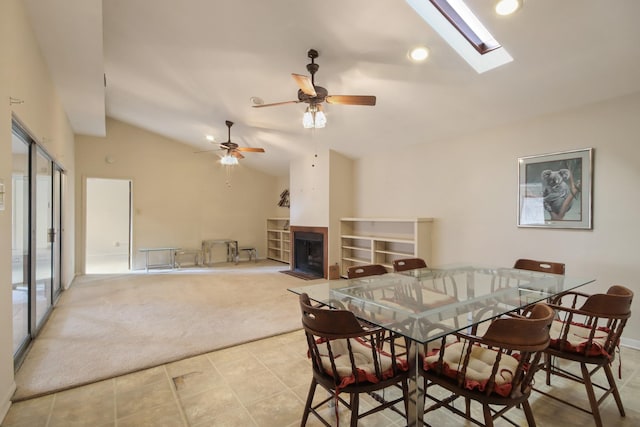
x=109 y=325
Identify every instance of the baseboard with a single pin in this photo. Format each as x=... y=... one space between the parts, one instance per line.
x=628 y=342
x=5 y=403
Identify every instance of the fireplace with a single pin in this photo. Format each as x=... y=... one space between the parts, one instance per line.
x=309 y=251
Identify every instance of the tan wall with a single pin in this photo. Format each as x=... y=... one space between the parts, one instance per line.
x=470 y=185
x=282 y=183
x=340 y=201
x=23 y=75
x=179 y=198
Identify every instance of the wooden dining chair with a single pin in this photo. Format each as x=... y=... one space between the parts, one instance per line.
x=542 y=266
x=357 y=271
x=496 y=369
x=405 y=264
x=587 y=331
x=529 y=265
x=348 y=358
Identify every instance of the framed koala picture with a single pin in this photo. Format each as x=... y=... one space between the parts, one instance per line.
x=555 y=189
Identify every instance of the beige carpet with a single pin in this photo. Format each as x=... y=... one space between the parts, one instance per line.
x=109 y=325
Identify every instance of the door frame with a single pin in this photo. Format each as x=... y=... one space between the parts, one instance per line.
x=82 y=258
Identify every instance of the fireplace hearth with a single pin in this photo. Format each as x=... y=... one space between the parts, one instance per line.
x=309 y=251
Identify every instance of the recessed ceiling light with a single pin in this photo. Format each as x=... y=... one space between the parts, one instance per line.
x=419 y=54
x=507 y=7
x=256 y=100
x=210 y=138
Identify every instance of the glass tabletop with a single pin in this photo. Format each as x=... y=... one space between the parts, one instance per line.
x=425 y=304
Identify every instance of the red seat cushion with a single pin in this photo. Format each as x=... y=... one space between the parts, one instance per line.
x=479 y=367
x=578 y=338
x=363 y=360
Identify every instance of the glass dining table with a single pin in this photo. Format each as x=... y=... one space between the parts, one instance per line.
x=424 y=305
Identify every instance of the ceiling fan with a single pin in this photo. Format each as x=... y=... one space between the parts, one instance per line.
x=232 y=149
x=315 y=95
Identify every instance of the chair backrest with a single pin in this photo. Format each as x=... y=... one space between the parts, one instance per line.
x=594 y=328
x=405 y=264
x=357 y=271
x=527 y=333
x=328 y=323
x=503 y=361
x=543 y=266
x=345 y=352
x=615 y=303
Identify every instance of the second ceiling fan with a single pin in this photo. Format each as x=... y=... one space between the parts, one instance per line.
x=315 y=95
x=231 y=148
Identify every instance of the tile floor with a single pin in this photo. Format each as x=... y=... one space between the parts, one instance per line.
x=264 y=383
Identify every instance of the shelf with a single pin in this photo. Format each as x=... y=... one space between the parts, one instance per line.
x=359 y=261
x=356 y=248
x=402 y=254
x=383 y=240
x=278 y=237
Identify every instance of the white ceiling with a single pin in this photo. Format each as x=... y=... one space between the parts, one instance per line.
x=182 y=68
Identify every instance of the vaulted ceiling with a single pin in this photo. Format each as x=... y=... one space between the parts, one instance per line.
x=182 y=68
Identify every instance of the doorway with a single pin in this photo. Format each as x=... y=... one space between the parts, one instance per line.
x=108 y=226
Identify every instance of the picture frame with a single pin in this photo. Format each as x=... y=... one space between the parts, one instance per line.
x=555 y=190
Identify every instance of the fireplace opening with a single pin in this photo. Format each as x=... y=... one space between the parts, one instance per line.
x=309 y=253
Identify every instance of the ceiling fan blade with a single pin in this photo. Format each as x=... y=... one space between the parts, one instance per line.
x=236 y=154
x=251 y=149
x=275 y=103
x=351 y=99
x=304 y=83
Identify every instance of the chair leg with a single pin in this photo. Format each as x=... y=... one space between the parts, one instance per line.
x=307 y=406
x=547 y=367
x=355 y=403
x=528 y=413
x=593 y=402
x=488 y=418
x=614 y=388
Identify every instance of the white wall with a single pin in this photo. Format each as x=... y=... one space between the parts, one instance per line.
x=23 y=75
x=179 y=198
x=469 y=185
x=309 y=177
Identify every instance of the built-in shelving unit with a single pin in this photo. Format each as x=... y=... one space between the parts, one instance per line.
x=278 y=239
x=382 y=240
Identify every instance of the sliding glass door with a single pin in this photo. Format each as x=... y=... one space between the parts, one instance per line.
x=56 y=212
x=44 y=234
x=20 y=242
x=36 y=241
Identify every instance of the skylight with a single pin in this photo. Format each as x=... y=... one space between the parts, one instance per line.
x=464 y=32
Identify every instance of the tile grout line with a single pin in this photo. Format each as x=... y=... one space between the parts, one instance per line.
x=115 y=403
x=50 y=415
x=223 y=378
x=174 y=392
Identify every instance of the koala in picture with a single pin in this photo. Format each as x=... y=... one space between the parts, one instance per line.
x=556 y=191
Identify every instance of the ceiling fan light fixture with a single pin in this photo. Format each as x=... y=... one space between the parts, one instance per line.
x=229 y=160
x=507 y=7
x=320 y=119
x=313 y=118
